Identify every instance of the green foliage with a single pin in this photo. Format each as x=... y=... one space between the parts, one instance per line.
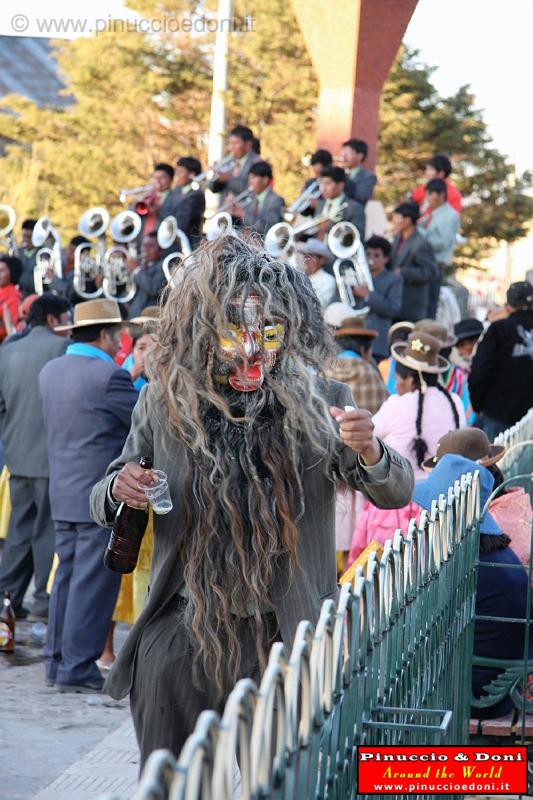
x=273 y=89
x=416 y=123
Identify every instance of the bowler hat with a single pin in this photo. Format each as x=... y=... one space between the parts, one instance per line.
x=471 y=443
x=437 y=330
x=449 y=469
x=470 y=328
x=421 y=353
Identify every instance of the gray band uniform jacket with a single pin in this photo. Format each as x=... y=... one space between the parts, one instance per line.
x=353 y=212
x=416 y=260
x=270 y=212
x=315 y=579
x=237 y=183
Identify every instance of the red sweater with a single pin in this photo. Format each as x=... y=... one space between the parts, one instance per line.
x=10 y=298
x=454 y=197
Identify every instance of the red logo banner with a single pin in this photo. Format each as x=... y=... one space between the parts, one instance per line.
x=442 y=770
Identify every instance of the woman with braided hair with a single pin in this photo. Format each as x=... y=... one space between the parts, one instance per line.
x=412 y=422
x=254 y=441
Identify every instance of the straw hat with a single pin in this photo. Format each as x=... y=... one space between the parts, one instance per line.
x=354 y=326
x=437 y=330
x=421 y=353
x=471 y=443
x=93 y=312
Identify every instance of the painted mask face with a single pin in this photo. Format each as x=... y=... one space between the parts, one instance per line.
x=248 y=346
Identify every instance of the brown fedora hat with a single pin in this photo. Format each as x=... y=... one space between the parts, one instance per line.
x=437 y=330
x=471 y=443
x=421 y=353
x=354 y=326
x=93 y=312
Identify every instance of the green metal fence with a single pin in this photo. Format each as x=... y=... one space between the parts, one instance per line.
x=512 y=678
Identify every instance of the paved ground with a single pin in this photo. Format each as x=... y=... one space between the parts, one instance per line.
x=45 y=735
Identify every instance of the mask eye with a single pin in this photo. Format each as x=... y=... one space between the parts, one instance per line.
x=273 y=334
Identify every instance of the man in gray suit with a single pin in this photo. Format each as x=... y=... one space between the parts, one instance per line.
x=254 y=443
x=265 y=207
x=87 y=402
x=413 y=259
x=148 y=274
x=29 y=548
x=235 y=181
x=361 y=181
x=335 y=202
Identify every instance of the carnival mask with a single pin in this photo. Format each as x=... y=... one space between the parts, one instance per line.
x=248 y=346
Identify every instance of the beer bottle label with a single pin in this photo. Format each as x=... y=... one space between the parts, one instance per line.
x=6 y=634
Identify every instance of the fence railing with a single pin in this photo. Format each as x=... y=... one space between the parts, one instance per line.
x=387 y=665
x=518 y=440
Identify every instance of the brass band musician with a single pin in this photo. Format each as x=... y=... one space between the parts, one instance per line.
x=241 y=148
x=335 y=202
x=264 y=207
x=361 y=180
x=189 y=199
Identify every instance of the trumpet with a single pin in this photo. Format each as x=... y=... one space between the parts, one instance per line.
x=47 y=259
x=124 y=229
x=7 y=223
x=351 y=267
x=280 y=237
x=88 y=267
x=225 y=164
x=302 y=202
x=137 y=191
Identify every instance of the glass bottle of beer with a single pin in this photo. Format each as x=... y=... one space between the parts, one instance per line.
x=127 y=534
x=7 y=625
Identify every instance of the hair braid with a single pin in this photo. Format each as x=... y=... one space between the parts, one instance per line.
x=455 y=413
x=419 y=444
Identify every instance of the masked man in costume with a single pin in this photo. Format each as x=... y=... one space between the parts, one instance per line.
x=254 y=441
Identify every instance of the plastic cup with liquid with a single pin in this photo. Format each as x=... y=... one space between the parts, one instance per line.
x=158 y=494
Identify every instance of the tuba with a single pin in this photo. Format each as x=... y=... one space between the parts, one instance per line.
x=280 y=237
x=218 y=225
x=88 y=267
x=124 y=229
x=168 y=232
x=350 y=268
x=7 y=223
x=172 y=263
x=47 y=259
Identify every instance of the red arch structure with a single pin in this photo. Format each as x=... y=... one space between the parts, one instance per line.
x=352 y=44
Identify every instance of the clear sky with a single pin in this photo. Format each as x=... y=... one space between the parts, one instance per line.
x=484 y=43
x=488 y=45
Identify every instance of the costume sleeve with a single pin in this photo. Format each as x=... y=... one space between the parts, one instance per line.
x=386 y=488
x=139 y=443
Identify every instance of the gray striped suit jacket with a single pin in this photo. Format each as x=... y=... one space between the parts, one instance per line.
x=313 y=581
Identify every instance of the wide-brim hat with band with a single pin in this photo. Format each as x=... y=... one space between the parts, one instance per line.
x=437 y=330
x=400 y=327
x=93 y=312
x=354 y=326
x=421 y=353
x=471 y=443
x=150 y=314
